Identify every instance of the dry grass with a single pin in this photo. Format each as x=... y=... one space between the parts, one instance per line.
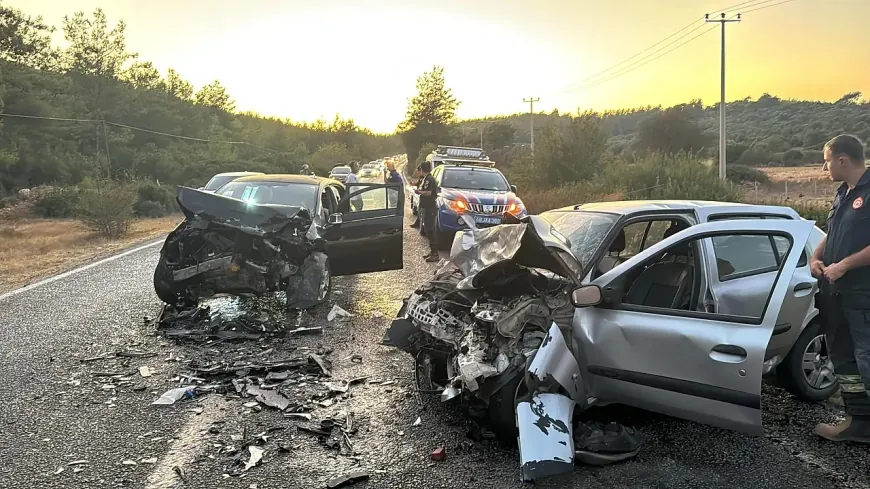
x=37 y=248
x=796 y=174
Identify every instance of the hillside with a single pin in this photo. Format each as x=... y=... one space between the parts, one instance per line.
x=94 y=110
x=769 y=125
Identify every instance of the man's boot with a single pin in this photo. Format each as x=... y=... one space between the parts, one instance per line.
x=853 y=428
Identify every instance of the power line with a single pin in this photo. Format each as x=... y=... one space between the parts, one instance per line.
x=140 y=129
x=582 y=84
x=767 y=6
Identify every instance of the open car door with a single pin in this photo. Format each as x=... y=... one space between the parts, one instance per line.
x=365 y=235
x=645 y=346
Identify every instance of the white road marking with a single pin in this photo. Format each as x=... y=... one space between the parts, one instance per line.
x=78 y=270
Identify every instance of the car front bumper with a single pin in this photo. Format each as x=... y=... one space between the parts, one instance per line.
x=450 y=221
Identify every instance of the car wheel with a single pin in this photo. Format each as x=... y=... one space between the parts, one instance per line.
x=807 y=371
x=502 y=411
x=161 y=287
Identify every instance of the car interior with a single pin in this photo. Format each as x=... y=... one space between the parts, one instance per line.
x=666 y=281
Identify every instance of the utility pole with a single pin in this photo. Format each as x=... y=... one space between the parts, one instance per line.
x=722 y=21
x=531 y=101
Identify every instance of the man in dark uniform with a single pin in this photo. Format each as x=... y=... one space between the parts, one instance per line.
x=418 y=182
x=842 y=265
x=428 y=191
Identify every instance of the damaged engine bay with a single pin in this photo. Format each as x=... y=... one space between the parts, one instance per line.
x=492 y=329
x=229 y=246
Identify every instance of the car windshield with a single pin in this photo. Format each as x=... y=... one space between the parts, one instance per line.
x=340 y=170
x=218 y=181
x=474 y=179
x=283 y=193
x=585 y=230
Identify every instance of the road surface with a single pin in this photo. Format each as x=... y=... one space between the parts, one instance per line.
x=54 y=411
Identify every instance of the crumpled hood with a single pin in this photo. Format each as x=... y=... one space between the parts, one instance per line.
x=257 y=219
x=482 y=197
x=532 y=243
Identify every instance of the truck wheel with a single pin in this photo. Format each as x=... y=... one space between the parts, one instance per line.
x=807 y=371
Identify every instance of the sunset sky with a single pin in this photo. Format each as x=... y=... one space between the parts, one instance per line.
x=306 y=59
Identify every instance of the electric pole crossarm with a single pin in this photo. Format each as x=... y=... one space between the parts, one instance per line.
x=722 y=139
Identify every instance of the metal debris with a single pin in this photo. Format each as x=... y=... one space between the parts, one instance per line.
x=173 y=395
x=347 y=479
x=256 y=457
x=337 y=313
x=145 y=371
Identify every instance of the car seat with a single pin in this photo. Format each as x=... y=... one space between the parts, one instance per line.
x=665 y=284
x=609 y=262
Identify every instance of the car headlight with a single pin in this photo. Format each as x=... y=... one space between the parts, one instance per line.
x=515 y=208
x=458 y=206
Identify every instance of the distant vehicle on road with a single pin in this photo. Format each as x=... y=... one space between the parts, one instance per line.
x=222 y=179
x=340 y=173
x=469 y=185
x=369 y=170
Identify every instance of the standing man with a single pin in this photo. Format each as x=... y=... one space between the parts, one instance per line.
x=356 y=202
x=418 y=182
x=842 y=265
x=428 y=191
x=393 y=178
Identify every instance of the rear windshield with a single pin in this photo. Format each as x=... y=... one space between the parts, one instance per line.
x=218 y=181
x=471 y=179
x=296 y=194
x=340 y=170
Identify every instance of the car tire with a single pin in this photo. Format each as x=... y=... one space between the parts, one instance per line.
x=502 y=411
x=161 y=286
x=791 y=371
x=328 y=277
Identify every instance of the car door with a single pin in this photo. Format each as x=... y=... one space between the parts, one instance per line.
x=691 y=364
x=366 y=237
x=744 y=270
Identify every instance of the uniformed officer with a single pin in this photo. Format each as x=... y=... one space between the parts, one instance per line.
x=842 y=265
x=428 y=192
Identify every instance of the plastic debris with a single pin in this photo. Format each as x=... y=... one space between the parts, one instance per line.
x=337 y=313
x=145 y=371
x=172 y=395
x=256 y=456
x=438 y=454
x=418 y=422
x=347 y=479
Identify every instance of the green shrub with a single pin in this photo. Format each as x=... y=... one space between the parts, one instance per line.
x=163 y=195
x=107 y=208
x=149 y=209
x=746 y=174
x=57 y=202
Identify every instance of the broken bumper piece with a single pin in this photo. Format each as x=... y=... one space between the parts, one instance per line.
x=546 y=440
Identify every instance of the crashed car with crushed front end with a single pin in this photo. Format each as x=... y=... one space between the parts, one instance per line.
x=278 y=233
x=517 y=323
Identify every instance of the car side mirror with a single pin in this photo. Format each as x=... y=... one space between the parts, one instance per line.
x=586 y=296
x=514 y=188
x=335 y=219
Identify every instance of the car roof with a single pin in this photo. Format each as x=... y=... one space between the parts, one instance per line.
x=239 y=174
x=288 y=178
x=624 y=207
x=472 y=166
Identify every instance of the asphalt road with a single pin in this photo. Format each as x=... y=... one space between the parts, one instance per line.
x=55 y=411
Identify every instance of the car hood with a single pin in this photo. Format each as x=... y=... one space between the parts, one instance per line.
x=484 y=197
x=256 y=219
x=531 y=242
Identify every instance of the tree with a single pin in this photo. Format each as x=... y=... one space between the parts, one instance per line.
x=670 y=132
x=178 y=87
x=25 y=40
x=430 y=113
x=144 y=76
x=571 y=155
x=499 y=134
x=214 y=95
x=328 y=156
x=93 y=48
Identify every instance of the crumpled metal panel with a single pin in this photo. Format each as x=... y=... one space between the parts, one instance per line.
x=555 y=360
x=303 y=290
x=477 y=249
x=546 y=440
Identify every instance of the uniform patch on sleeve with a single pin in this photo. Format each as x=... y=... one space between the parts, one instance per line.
x=858 y=203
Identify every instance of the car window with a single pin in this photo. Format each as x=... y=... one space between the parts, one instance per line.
x=665 y=283
x=641 y=235
x=474 y=179
x=782 y=248
x=340 y=170
x=370 y=199
x=740 y=256
x=585 y=231
x=217 y=182
x=282 y=193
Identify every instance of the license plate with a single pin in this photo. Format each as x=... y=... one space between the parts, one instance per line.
x=487 y=220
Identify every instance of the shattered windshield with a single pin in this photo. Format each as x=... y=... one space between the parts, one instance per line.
x=471 y=179
x=585 y=230
x=282 y=193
